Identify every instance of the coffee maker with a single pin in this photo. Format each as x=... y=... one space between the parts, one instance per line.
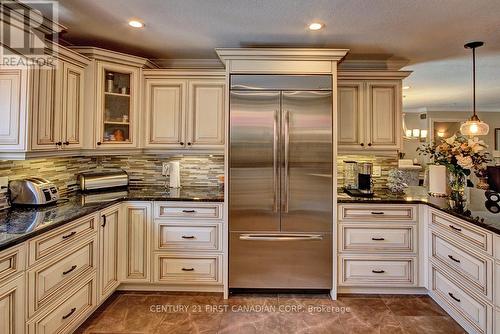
x=358 y=179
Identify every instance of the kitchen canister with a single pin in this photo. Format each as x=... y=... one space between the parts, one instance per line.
x=437 y=181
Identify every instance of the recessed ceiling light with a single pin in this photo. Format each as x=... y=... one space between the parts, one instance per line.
x=315 y=26
x=135 y=24
x=406 y=87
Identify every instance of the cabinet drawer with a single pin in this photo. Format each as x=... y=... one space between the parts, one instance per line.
x=12 y=262
x=188 y=236
x=377 y=239
x=364 y=271
x=476 y=269
x=468 y=308
x=51 y=243
x=67 y=313
x=51 y=278
x=188 y=210
x=182 y=269
x=467 y=233
x=377 y=212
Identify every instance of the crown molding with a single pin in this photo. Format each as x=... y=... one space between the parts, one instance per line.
x=371 y=74
x=113 y=56
x=280 y=54
x=157 y=73
x=391 y=64
x=189 y=63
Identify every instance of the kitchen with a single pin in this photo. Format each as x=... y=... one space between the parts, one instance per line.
x=160 y=176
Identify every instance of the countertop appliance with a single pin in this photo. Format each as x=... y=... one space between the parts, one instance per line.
x=365 y=182
x=102 y=179
x=33 y=191
x=280 y=182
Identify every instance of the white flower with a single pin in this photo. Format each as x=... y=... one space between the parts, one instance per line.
x=477 y=145
x=451 y=139
x=465 y=162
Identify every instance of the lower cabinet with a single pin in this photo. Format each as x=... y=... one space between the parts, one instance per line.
x=12 y=305
x=108 y=251
x=135 y=236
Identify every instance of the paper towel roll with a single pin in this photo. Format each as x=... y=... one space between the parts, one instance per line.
x=175 y=174
x=437 y=180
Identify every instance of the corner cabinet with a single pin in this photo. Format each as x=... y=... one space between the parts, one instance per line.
x=184 y=112
x=112 y=100
x=369 y=110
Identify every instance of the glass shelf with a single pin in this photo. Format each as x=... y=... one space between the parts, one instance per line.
x=116 y=124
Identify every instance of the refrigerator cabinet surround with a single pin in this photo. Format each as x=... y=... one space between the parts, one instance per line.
x=280 y=182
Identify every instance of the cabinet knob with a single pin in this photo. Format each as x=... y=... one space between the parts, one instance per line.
x=66 y=143
x=59 y=143
x=189 y=144
x=99 y=143
x=182 y=143
x=362 y=144
x=369 y=144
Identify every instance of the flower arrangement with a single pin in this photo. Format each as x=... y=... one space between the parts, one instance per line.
x=459 y=154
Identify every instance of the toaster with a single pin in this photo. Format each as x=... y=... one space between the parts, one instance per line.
x=33 y=191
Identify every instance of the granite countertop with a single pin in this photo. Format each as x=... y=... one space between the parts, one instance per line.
x=475 y=212
x=22 y=223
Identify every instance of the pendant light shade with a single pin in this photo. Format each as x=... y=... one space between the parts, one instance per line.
x=474 y=126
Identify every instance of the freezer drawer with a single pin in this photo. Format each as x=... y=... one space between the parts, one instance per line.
x=280 y=260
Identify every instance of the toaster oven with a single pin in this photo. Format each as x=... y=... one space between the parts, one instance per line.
x=33 y=191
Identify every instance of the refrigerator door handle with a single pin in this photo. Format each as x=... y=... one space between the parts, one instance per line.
x=287 y=151
x=275 y=162
x=280 y=237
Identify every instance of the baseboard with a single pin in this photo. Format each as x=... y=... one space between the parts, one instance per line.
x=382 y=290
x=171 y=287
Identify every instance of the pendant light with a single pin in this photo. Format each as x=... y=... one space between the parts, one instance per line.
x=473 y=126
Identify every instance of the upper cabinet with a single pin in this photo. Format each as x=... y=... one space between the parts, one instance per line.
x=369 y=110
x=42 y=106
x=184 y=111
x=113 y=95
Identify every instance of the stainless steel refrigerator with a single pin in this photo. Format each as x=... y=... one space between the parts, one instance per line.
x=280 y=182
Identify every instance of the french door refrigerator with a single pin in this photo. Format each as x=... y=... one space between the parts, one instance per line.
x=280 y=182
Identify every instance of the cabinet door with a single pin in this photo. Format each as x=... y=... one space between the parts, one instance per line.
x=72 y=115
x=350 y=105
x=206 y=114
x=118 y=96
x=108 y=251
x=12 y=305
x=10 y=110
x=165 y=113
x=136 y=235
x=384 y=119
x=46 y=107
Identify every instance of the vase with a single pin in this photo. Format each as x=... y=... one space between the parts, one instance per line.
x=457 y=183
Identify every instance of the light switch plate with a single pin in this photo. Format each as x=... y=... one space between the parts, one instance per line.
x=377 y=171
x=4 y=182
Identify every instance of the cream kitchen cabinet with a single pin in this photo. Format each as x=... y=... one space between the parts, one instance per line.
x=183 y=112
x=135 y=235
x=369 y=108
x=108 y=252
x=42 y=108
x=112 y=100
x=12 y=305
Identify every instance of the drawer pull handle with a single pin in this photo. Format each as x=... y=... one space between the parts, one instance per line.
x=189 y=211
x=378 y=271
x=69 y=235
x=69 y=270
x=103 y=221
x=455 y=228
x=452 y=258
x=452 y=296
x=187 y=269
x=188 y=237
x=377 y=212
x=378 y=239
x=70 y=313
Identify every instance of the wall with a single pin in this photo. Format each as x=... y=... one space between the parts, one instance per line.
x=144 y=170
x=386 y=162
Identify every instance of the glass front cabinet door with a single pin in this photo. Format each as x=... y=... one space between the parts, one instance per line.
x=118 y=101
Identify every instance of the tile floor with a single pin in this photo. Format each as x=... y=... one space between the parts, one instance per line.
x=274 y=313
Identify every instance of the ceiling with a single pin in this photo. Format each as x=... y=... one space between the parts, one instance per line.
x=429 y=33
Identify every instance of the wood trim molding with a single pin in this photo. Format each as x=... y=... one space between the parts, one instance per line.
x=280 y=54
x=113 y=56
x=372 y=74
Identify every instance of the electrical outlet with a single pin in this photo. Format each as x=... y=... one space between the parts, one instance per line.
x=164 y=169
x=4 y=182
x=377 y=171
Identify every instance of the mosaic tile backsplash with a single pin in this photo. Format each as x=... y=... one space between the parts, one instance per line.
x=386 y=162
x=143 y=170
